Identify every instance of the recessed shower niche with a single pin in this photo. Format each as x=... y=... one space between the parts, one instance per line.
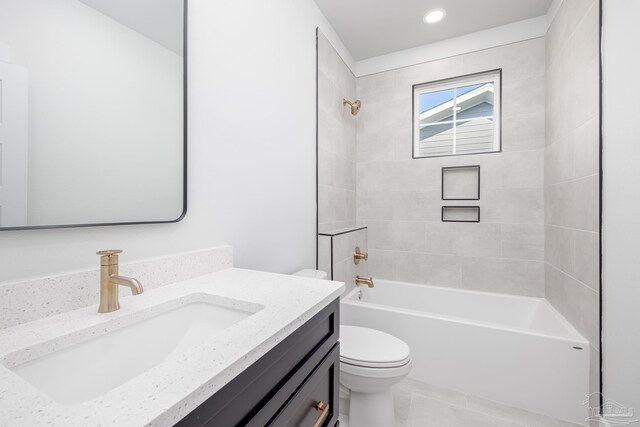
x=461 y=214
x=461 y=183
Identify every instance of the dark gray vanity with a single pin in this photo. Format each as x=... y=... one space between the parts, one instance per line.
x=288 y=386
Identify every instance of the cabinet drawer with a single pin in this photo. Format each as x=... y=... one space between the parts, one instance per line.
x=321 y=387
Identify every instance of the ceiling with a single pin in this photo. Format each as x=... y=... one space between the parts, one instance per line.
x=158 y=20
x=371 y=28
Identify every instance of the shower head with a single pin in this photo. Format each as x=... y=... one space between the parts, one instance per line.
x=355 y=105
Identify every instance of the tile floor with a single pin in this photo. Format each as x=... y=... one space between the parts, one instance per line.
x=421 y=405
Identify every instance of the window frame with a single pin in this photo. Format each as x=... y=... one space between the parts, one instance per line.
x=451 y=83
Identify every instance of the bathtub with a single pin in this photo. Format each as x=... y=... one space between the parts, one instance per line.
x=514 y=350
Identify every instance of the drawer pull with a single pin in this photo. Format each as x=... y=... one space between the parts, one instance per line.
x=324 y=407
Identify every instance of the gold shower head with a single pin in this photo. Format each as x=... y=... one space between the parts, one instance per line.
x=355 y=105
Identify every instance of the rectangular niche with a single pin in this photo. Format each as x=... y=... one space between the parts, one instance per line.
x=461 y=214
x=461 y=183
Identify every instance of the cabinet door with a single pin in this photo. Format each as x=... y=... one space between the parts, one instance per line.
x=307 y=406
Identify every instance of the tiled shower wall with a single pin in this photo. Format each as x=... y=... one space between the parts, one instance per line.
x=336 y=141
x=335 y=256
x=572 y=169
x=399 y=198
x=539 y=229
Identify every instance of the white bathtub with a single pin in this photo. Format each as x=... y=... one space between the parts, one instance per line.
x=514 y=350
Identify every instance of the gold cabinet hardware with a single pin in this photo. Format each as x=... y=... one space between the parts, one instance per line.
x=324 y=407
x=110 y=281
x=364 y=281
x=357 y=256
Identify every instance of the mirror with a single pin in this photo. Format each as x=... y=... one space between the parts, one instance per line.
x=92 y=112
x=457 y=116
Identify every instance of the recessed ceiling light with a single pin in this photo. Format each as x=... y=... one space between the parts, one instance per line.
x=434 y=15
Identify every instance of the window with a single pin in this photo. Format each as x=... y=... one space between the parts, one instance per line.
x=457 y=116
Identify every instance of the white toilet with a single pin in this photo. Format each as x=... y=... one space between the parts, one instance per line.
x=371 y=362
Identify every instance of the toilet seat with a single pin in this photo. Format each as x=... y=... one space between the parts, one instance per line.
x=370 y=348
x=371 y=362
x=376 y=373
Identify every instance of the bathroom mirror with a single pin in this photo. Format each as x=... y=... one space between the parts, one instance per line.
x=92 y=112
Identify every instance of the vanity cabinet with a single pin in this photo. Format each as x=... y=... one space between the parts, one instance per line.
x=288 y=386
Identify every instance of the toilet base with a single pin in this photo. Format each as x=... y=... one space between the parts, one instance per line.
x=371 y=409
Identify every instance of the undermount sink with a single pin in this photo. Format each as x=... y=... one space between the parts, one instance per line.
x=91 y=368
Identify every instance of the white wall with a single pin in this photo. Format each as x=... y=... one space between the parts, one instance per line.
x=493 y=37
x=251 y=90
x=621 y=210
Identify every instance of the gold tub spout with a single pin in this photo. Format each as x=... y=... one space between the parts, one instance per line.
x=364 y=281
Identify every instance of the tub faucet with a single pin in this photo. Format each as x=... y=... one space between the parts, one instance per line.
x=357 y=256
x=110 y=281
x=364 y=281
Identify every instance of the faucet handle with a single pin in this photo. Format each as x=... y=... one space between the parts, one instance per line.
x=109 y=252
x=357 y=256
x=109 y=256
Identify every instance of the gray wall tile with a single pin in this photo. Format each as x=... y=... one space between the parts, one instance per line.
x=478 y=240
x=560 y=248
x=381 y=264
x=336 y=140
x=399 y=198
x=428 y=269
x=576 y=301
x=521 y=277
x=587 y=258
x=572 y=166
x=522 y=241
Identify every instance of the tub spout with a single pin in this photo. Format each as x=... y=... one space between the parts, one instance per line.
x=364 y=281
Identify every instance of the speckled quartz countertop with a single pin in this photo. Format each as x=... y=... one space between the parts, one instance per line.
x=166 y=393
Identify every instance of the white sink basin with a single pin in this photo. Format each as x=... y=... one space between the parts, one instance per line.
x=90 y=369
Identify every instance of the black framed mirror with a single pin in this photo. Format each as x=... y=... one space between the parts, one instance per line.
x=93 y=107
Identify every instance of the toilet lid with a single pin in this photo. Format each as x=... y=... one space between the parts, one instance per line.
x=371 y=348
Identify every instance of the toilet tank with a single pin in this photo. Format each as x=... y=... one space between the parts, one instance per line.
x=314 y=274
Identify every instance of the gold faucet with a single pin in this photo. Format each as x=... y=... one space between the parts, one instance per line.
x=364 y=281
x=110 y=281
x=357 y=256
